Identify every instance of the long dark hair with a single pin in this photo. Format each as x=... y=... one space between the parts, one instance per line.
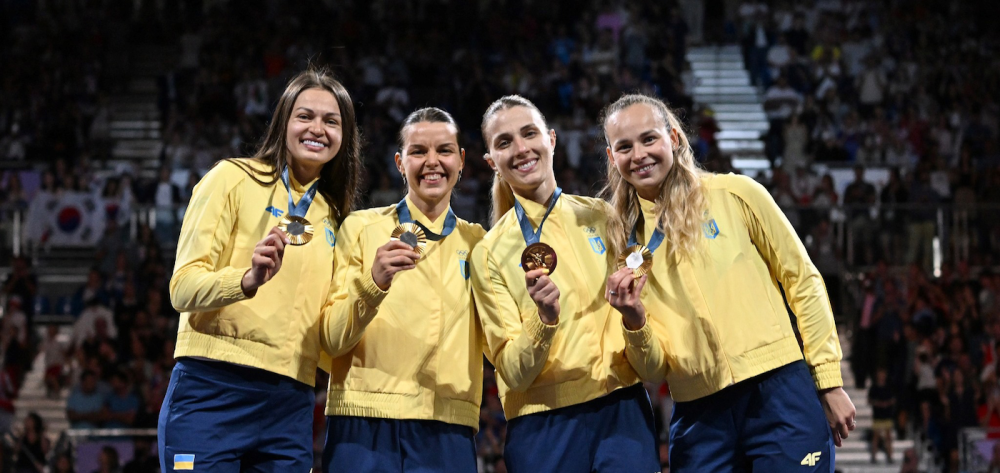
x=338 y=180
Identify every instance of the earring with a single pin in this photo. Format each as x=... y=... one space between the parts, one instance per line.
x=459 y=175
x=404 y=179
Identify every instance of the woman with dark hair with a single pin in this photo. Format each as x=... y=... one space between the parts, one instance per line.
x=710 y=251
x=32 y=446
x=572 y=401
x=240 y=397
x=407 y=373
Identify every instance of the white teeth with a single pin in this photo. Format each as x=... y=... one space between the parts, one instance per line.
x=645 y=168
x=527 y=165
x=313 y=143
x=432 y=177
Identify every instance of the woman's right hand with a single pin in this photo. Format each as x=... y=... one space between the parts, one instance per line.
x=544 y=292
x=390 y=259
x=623 y=294
x=265 y=262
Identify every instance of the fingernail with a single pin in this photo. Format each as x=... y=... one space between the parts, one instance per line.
x=545 y=271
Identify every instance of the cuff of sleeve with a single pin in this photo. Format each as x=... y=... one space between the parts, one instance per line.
x=827 y=375
x=538 y=330
x=638 y=338
x=232 y=285
x=369 y=291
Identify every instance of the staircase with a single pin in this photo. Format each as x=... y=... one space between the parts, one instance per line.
x=32 y=397
x=854 y=455
x=135 y=123
x=723 y=84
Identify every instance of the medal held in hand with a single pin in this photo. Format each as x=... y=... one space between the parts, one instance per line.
x=637 y=257
x=298 y=230
x=410 y=234
x=414 y=233
x=537 y=254
x=294 y=225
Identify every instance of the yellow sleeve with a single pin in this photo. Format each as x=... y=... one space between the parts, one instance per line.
x=789 y=263
x=517 y=350
x=645 y=353
x=199 y=283
x=354 y=297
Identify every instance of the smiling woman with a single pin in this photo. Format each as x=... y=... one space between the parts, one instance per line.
x=248 y=341
x=572 y=401
x=712 y=322
x=406 y=378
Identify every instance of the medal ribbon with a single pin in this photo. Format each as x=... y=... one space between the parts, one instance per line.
x=403 y=212
x=654 y=241
x=533 y=236
x=306 y=200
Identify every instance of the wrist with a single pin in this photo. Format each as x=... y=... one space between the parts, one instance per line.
x=247 y=284
x=548 y=319
x=634 y=319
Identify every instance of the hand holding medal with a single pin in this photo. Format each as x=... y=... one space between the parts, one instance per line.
x=410 y=234
x=625 y=286
x=538 y=260
x=265 y=262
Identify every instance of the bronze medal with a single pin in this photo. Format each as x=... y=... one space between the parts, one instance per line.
x=411 y=234
x=298 y=230
x=638 y=258
x=539 y=255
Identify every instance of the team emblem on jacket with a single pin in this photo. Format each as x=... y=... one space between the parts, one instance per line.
x=597 y=244
x=274 y=211
x=331 y=237
x=463 y=264
x=711 y=229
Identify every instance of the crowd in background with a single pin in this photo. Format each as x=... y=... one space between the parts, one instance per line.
x=907 y=86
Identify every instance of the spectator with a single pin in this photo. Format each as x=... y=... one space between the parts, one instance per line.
x=883 y=402
x=23 y=283
x=32 y=446
x=859 y=198
x=121 y=404
x=92 y=292
x=54 y=351
x=64 y=464
x=85 y=405
x=143 y=460
x=107 y=462
x=95 y=316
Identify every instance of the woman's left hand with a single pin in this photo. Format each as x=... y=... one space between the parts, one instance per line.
x=623 y=292
x=839 y=412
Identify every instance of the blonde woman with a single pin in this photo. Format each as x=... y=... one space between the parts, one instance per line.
x=573 y=402
x=702 y=259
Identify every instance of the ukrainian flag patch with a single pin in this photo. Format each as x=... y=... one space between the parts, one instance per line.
x=183 y=462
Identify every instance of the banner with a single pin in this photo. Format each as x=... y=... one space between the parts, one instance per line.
x=67 y=219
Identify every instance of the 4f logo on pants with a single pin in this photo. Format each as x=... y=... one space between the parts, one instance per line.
x=811 y=459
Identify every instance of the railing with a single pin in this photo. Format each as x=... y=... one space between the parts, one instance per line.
x=976 y=447
x=84 y=446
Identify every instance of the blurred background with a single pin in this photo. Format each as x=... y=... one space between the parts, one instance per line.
x=873 y=124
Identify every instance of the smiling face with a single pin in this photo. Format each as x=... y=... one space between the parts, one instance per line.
x=520 y=149
x=314 y=132
x=642 y=148
x=431 y=160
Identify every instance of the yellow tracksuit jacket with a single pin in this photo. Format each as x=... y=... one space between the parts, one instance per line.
x=543 y=367
x=718 y=318
x=278 y=330
x=414 y=351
